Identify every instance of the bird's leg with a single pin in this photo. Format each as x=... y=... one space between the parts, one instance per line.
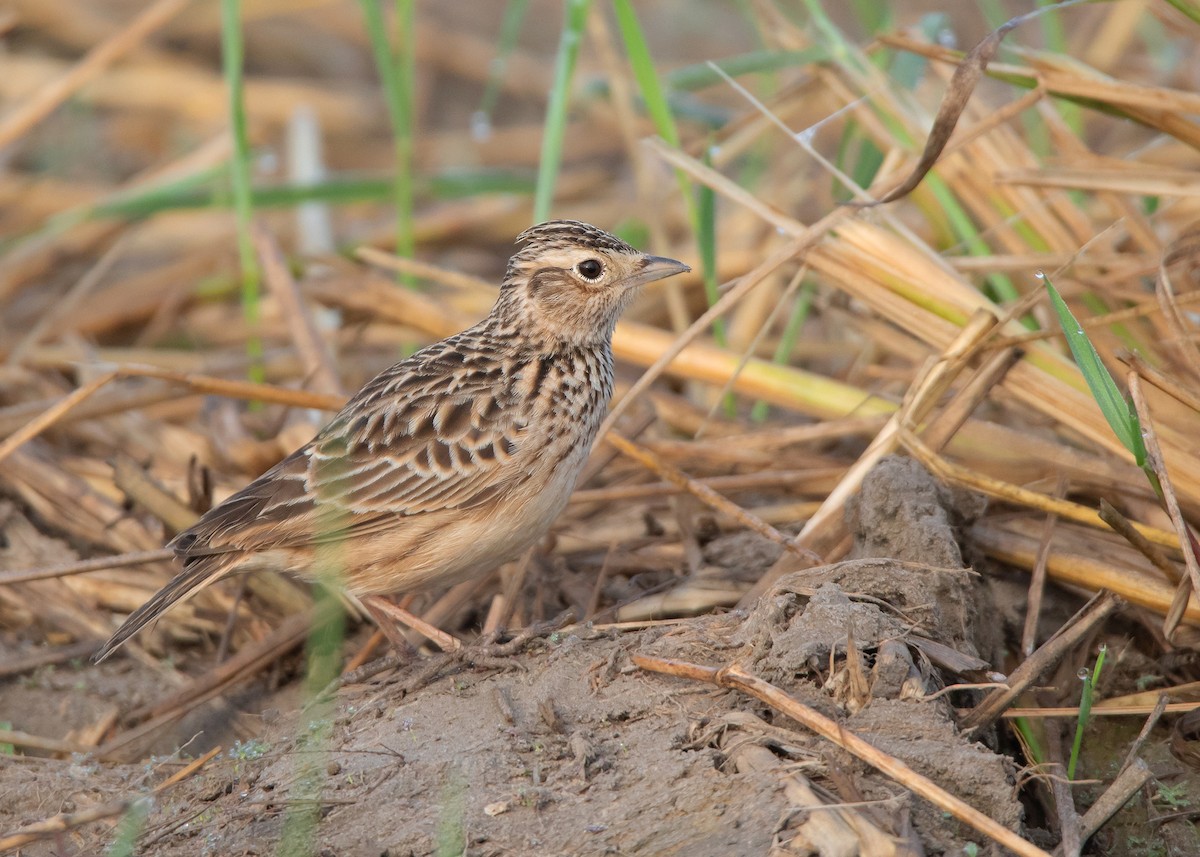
x=489 y=648
x=486 y=653
x=387 y=615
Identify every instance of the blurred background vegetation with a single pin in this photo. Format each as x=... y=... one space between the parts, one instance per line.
x=298 y=193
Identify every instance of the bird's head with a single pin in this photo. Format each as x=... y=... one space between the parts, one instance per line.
x=571 y=280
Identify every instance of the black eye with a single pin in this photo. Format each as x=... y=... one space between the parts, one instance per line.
x=590 y=269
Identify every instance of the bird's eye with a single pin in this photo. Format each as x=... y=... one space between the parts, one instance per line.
x=590 y=269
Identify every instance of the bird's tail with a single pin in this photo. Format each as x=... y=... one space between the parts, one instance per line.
x=184 y=585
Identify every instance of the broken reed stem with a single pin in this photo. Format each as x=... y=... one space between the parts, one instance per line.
x=1040 y=662
x=948 y=471
x=187 y=770
x=1037 y=577
x=51 y=415
x=424 y=270
x=732 y=482
x=1154 y=460
x=320 y=368
x=795 y=249
x=291 y=633
x=46 y=99
x=39 y=742
x=364 y=654
x=1100 y=710
x=100 y=563
x=706 y=495
x=1125 y=528
x=956 y=412
x=384 y=612
x=144 y=491
x=923 y=396
x=735 y=677
x=83 y=287
x=47 y=657
x=1135 y=748
x=247 y=390
x=1019 y=549
x=199 y=383
x=1125 y=786
x=822 y=531
x=1161 y=380
x=56 y=825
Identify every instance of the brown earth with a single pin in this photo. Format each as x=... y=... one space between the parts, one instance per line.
x=572 y=749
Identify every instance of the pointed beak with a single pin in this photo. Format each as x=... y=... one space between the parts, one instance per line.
x=657 y=268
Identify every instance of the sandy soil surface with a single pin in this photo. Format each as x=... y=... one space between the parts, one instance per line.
x=572 y=749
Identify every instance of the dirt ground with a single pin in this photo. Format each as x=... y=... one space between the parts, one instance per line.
x=572 y=749
x=120 y=251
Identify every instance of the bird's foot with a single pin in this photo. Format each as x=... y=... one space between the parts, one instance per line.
x=487 y=652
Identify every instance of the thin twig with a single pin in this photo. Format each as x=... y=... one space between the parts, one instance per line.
x=734 y=676
x=40 y=742
x=45 y=657
x=187 y=770
x=83 y=566
x=792 y=250
x=706 y=495
x=948 y=471
x=1037 y=579
x=47 y=98
x=1040 y=662
x=1125 y=528
x=319 y=364
x=56 y=825
x=1155 y=460
x=48 y=417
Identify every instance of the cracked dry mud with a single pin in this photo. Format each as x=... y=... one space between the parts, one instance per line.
x=576 y=752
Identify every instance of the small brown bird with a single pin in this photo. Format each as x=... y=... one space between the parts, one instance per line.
x=452 y=461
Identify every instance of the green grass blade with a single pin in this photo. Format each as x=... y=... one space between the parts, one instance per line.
x=1035 y=749
x=129 y=828
x=396 y=77
x=1054 y=33
x=1085 y=710
x=1001 y=287
x=644 y=72
x=324 y=654
x=232 y=60
x=701 y=75
x=1188 y=8
x=211 y=190
x=59 y=223
x=706 y=241
x=909 y=69
x=858 y=156
x=510 y=30
x=302 y=817
x=655 y=100
x=556 y=109
x=404 y=74
x=451 y=836
x=874 y=17
x=1121 y=417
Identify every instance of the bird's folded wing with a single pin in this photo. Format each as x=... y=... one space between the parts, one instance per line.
x=404 y=446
